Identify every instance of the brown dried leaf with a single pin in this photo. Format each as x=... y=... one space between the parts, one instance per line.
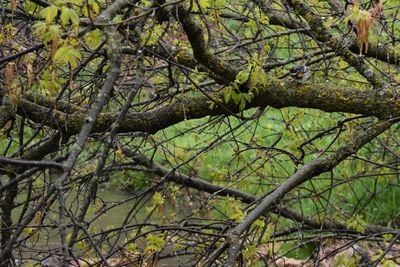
x=53 y=48
x=376 y=11
x=9 y=75
x=29 y=72
x=13 y=5
x=363 y=25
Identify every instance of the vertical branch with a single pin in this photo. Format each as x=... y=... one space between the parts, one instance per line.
x=113 y=132
x=113 y=42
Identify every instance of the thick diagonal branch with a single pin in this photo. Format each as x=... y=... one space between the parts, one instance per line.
x=308 y=171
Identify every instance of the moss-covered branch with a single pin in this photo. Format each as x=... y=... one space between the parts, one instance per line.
x=200 y=50
x=276 y=93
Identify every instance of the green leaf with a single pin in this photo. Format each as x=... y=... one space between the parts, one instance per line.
x=259 y=223
x=158 y=198
x=152 y=35
x=30 y=264
x=68 y=54
x=264 y=19
x=204 y=4
x=49 y=13
x=68 y=14
x=50 y=82
x=236 y=97
x=387 y=237
x=64 y=15
x=249 y=251
x=47 y=33
x=39 y=29
x=389 y=263
x=237 y=216
x=155 y=34
x=81 y=245
x=357 y=223
x=145 y=3
x=211 y=105
x=95 y=6
x=303 y=251
x=91 y=8
x=242 y=77
x=94 y=38
x=258 y=77
x=118 y=19
x=154 y=242
x=131 y=247
x=30 y=7
x=242 y=103
x=267 y=235
x=247 y=97
x=54 y=33
x=228 y=95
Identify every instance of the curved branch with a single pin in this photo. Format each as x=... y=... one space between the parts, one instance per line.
x=200 y=51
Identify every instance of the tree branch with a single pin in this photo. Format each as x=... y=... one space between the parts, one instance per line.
x=276 y=93
x=200 y=51
x=202 y=185
x=308 y=171
x=31 y=163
